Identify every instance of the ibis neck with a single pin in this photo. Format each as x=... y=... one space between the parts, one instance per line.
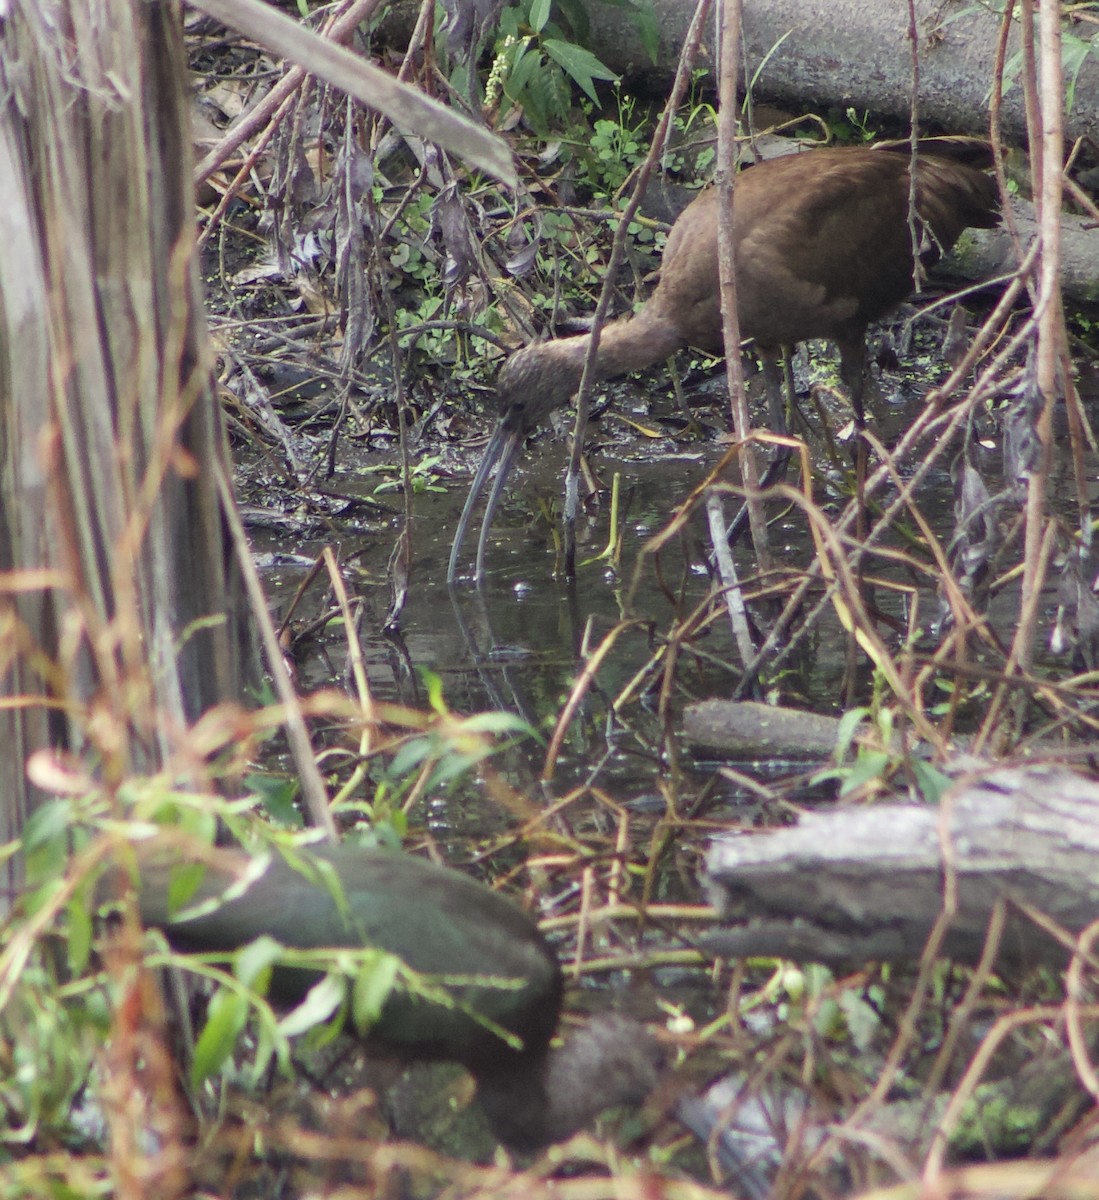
x=542 y=377
x=628 y=345
x=635 y=342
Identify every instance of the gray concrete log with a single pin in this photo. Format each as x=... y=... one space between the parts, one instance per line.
x=748 y=729
x=853 y=53
x=849 y=885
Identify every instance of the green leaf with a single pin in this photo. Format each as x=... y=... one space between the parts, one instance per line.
x=321 y=1001
x=45 y=841
x=498 y=723
x=264 y=1051
x=453 y=766
x=277 y=796
x=39 y=897
x=253 y=963
x=196 y=823
x=539 y=14
x=579 y=64
x=827 y=1018
x=79 y=934
x=46 y=823
x=526 y=63
x=1074 y=53
x=933 y=784
x=225 y=1019
x=408 y=757
x=870 y=765
x=390 y=829
x=433 y=684
x=372 y=987
x=182 y=884
x=849 y=723
x=536 y=98
x=885 y=726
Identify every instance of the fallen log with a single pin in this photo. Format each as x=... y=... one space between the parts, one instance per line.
x=855 y=884
x=748 y=729
x=854 y=53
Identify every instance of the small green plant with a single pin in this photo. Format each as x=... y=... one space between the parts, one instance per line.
x=961 y=701
x=540 y=66
x=409 y=250
x=878 y=757
x=838 y=1014
x=424 y=477
x=539 y=59
x=992 y=1120
x=617 y=146
x=451 y=746
x=855 y=129
x=617 y=151
x=697 y=120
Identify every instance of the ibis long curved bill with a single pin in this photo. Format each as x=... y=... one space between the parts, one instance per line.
x=503 y=449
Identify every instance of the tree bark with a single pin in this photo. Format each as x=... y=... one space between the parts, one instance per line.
x=122 y=616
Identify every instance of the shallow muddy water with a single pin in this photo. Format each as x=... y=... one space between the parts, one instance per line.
x=519 y=642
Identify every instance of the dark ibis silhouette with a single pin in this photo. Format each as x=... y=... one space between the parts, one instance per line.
x=502 y=978
x=822 y=246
